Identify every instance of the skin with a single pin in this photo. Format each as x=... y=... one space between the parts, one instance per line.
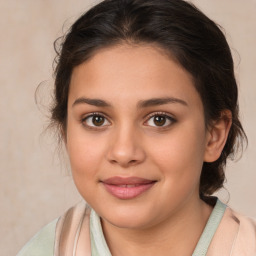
x=131 y=143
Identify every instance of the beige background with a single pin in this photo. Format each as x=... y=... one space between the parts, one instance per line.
x=35 y=186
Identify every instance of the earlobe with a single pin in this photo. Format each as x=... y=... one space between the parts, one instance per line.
x=217 y=135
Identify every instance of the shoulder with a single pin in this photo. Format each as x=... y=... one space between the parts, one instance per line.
x=247 y=225
x=59 y=234
x=235 y=235
x=246 y=235
x=42 y=243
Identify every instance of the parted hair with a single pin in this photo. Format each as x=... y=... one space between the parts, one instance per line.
x=186 y=34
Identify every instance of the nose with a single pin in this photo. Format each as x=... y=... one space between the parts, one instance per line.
x=125 y=148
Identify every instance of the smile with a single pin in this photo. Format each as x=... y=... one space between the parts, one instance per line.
x=127 y=188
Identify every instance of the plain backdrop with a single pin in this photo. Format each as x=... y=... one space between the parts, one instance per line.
x=35 y=183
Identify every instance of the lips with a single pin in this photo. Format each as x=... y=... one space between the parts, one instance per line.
x=127 y=187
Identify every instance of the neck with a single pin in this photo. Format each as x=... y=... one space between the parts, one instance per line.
x=166 y=238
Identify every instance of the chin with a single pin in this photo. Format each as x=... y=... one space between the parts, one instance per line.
x=127 y=223
x=129 y=218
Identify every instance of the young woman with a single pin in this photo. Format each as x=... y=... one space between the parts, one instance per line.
x=146 y=104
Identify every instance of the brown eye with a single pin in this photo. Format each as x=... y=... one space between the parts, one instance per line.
x=98 y=120
x=95 y=120
x=160 y=120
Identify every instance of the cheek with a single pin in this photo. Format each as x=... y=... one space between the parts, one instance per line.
x=85 y=154
x=85 y=151
x=179 y=156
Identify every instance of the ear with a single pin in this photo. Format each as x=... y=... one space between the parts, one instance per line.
x=217 y=135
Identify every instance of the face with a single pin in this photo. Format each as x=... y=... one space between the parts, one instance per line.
x=135 y=136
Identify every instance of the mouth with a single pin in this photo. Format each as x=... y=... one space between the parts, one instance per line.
x=127 y=187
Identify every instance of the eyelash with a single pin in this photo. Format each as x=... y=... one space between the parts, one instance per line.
x=162 y=114
x=92 y=115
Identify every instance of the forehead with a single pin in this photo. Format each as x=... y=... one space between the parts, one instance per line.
x=128 y=71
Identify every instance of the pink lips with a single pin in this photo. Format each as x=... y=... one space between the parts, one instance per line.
x=127 y=188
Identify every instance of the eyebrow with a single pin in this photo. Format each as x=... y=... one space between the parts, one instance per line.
x=140 y=104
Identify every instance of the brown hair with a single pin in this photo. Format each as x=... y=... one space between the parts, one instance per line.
x=184 y=32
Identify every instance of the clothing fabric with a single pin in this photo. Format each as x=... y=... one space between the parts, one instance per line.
x=42 y=243
x=226 y=233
